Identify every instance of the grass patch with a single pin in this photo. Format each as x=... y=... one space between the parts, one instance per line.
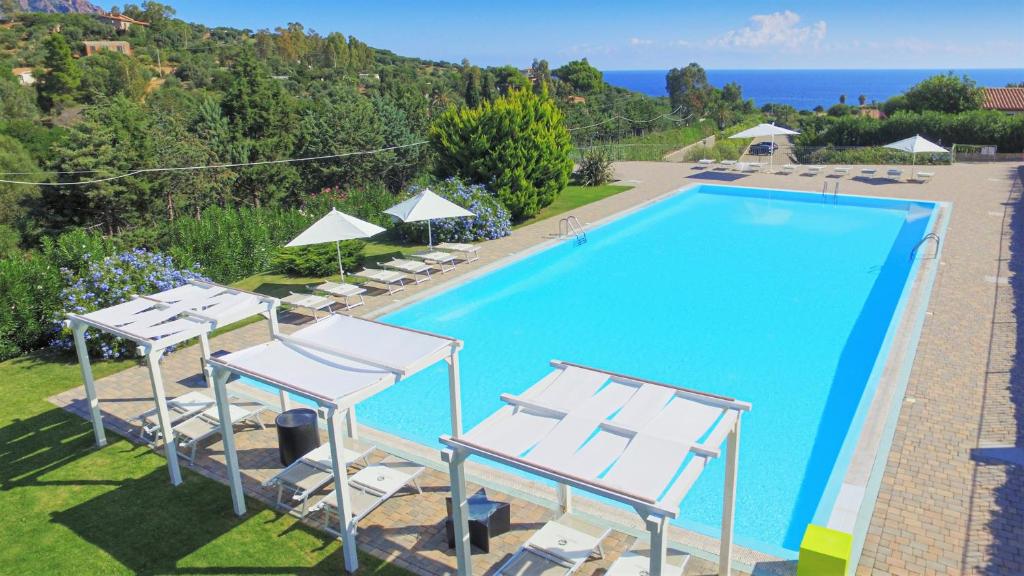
x=573 y=197
x=69 y=508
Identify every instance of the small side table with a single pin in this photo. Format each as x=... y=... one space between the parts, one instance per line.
x=487 y=518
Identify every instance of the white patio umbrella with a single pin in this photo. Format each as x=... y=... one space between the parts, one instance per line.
x=335 y=227
x=765 y=130
x=427 y=206
x=916 y=144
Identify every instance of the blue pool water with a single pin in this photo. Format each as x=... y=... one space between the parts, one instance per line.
x=784 y=302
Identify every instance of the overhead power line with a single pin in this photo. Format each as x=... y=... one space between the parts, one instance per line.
x=138 y=171
x=632 y=120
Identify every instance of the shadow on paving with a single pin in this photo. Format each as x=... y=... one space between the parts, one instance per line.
x=1006 y=525
x=716 y=176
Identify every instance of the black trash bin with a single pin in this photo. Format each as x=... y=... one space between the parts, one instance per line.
x=297 y=434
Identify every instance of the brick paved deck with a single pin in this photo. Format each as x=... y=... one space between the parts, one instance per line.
x=942 y=508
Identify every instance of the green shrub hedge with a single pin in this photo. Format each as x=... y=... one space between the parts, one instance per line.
x=318 y=259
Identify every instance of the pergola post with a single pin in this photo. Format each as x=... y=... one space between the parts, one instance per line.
x=344 y=504
x=351 y=425
x=460 y=509
x=658 y=527
x=564 y=493
x=227 y=430
x=78 y=331
x=204 y=348
x=729 y=500
x=160 y=397
x=455 y=391
x=272 y=321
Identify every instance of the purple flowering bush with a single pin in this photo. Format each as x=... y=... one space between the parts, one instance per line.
x=104 y=282
x=492 y=220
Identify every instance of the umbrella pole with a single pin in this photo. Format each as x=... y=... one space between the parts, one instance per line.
x=430 y=236
x=341 y=271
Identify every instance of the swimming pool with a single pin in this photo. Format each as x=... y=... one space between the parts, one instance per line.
x=782 y=299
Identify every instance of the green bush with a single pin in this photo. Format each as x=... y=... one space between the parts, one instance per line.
x=873 y=155
x=30 y=289
x=318 y=260
x=595 y=169
x=74 y=249
x=976 y=127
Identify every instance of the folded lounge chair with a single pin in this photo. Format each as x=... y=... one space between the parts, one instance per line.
x=469 y=252
x=311 y=302
x=750 y=167
x=705 y=162
x=311 y=473
x=439 y=259
x=894 y=173
x=371 y=487
x=788 y=169
x=923 y=176
x=207 y=423
x=726 y=164
x=813 y=169
x=869 y=172
x=560 y=547
x=388 y=278
x=344 y=291
x=410 y=267
x=181 y=408
x=637 y=561
x=841 y=170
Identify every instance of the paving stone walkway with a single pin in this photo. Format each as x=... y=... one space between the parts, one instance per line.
x=943 y=508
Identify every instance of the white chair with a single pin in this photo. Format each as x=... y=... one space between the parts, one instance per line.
x=312 y=472
x=206 y=424
x=180 y=408
x=389 y=278
x=371 y=487
x=439 y=259
x=637 y=561
x=343 y=291
x=469 y=252
x=410 y=267
x=310 y=302
x=559 y=547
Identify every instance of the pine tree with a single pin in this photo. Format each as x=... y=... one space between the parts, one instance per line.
x=63 y=75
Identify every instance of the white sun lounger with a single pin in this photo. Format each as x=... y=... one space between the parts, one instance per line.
x=311 y=302
x=371 y=487
x=410 y=267
x=841 y=170
x=728 y=163
x=705 y=162
x=311 y=473
x=813 y=169
x=637 y=561
x=389 y=278
x=894 y=173
x=560 y=547
x=181 y=408
x=870 y=172
x=923 y=176
x=207 y=423
x=438 y=258
x=344 y=291
x=469 y=252
x=788 y=169
x=750 y=167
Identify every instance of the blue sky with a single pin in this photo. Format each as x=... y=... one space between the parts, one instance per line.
x=655 y=34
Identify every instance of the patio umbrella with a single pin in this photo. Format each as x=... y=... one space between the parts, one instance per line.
x=765 y=130
x=427 y=206
x=335 y=227
x=916 y=144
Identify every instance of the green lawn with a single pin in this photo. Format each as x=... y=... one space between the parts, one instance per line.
x=69 y=508
x=280 y=285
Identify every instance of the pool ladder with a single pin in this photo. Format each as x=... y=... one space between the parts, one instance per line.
x=571 y=225
x=835 y=193
x=927 y=237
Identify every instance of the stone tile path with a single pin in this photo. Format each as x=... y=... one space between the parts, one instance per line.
x=942 y=507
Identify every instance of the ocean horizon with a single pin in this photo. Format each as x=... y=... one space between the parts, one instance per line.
x=807 y=88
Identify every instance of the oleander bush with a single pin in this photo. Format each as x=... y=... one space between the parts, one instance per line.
x=491 y=219
x=318 y=260
x=867 y=155
x=111 y=280
x=30 y=293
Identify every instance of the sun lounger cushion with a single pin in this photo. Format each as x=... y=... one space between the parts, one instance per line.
x=637 y=562
x=562 y=541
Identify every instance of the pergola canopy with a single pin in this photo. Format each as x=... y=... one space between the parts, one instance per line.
x=638 y=442
x=340 y=360
x=166 y=318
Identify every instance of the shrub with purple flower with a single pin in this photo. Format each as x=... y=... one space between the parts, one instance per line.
x=112 y=280
x=492 y=220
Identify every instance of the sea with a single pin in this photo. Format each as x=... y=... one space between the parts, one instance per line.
x=805 y=89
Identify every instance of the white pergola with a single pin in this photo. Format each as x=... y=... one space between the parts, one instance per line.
x=157 y=322
x=335 y=363
x=634 y=441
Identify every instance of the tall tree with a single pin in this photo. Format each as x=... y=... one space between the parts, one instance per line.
x=541 y=77
x=688 y=89
x=472 y=84
x=944 y=93
x=581 y=77
x=62 y=75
